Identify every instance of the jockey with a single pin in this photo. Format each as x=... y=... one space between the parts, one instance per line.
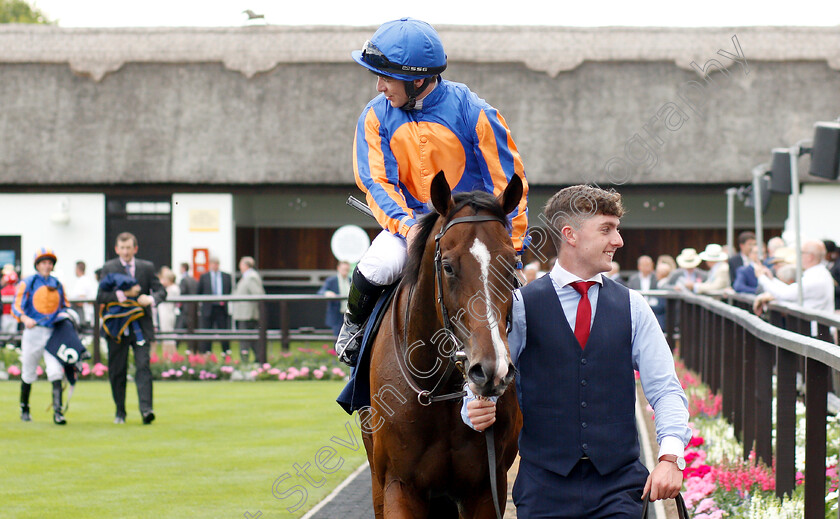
x=420 y=124
x=39 y=304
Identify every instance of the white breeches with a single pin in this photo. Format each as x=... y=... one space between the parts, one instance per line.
x=385 y=259
x=32 y=346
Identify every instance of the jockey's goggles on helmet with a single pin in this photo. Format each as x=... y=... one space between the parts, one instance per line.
x=376 y=58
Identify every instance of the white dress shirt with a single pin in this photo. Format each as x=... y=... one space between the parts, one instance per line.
x=817 y=289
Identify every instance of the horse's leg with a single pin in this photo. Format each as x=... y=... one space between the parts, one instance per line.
x=402 y=502
x=481 y=506
x=376 y=481
x=378 y=502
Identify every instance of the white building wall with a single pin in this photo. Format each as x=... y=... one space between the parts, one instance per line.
x=203 y=221
x=72 y=224
x=817 y=213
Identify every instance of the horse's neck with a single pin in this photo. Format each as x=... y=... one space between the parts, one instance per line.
x=423 y=323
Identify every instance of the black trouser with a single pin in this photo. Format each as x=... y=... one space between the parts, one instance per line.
x=218 y=319
x=118 y=370
x=182 y=322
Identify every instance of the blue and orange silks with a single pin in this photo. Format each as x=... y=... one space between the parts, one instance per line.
x=398 y=152
x=40 y=298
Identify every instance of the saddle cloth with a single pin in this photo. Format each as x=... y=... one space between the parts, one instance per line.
x=356 y=394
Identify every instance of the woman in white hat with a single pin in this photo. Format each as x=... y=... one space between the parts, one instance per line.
x=718 y=278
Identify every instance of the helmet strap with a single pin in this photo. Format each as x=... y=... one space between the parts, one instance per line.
x=413 y=92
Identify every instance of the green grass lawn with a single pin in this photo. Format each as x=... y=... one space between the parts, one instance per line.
x=217 y=449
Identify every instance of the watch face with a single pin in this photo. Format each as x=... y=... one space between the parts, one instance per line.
x=681 y=463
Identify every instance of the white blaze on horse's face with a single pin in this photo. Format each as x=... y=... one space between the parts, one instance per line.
x=482 y=255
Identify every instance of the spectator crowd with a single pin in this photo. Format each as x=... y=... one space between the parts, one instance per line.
x=767 y=271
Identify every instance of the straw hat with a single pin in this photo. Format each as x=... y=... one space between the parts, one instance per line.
x=714 y=253
x=688 y=259
x=784 y=255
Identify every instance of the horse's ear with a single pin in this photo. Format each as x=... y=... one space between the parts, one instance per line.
x=510 y=198
x=441 y=194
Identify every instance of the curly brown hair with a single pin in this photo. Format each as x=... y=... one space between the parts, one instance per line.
x=574 y=204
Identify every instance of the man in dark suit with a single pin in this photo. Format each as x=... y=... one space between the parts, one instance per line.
x=645 y=279
x=214 y=315
x=188 y=286
x=150 y=293
x=746 y=241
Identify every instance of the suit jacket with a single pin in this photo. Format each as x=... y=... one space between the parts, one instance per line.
x=676 y=275
x=146 y=276
x=635 y=282
x=745 y=280
x=249 y=284
x=205 y=287
x=657 y=304
x=333 y=317
x=188 y=285
x=716 y=280
x=735 y=261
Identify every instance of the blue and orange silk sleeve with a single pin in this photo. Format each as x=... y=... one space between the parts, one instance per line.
x=378 y=176
x=499 y=160
x=17 y=306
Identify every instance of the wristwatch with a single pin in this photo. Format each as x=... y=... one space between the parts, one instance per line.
x=679 y=461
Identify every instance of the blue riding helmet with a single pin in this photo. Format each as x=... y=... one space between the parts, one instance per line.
x=404 y=49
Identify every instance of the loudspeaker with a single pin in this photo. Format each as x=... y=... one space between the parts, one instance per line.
x=780 y=172
x=825 y=154
x=764 y=185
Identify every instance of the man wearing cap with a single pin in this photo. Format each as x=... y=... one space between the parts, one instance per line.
x=687 y=274
x=39 y=304
x=718 y=278
x=419 y=125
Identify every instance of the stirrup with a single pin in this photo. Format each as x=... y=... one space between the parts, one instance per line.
x=349 y=342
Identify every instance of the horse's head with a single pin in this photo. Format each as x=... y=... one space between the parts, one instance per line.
x=476 y=277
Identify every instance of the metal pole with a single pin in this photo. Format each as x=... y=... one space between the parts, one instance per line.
x=794 y=207
x=758 y=173
x=730 y=219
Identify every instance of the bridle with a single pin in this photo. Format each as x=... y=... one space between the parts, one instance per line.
x=457 y=357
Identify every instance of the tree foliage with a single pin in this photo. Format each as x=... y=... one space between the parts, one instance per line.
x=19 y=11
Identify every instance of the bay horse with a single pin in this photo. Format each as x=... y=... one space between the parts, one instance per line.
x=424 y=461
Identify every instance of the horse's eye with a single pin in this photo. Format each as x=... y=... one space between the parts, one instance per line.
x=509 y=323
x=447 y=268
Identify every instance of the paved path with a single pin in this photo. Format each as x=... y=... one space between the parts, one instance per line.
x=352 y=499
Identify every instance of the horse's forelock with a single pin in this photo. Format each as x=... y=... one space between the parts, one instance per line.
x=477 y=200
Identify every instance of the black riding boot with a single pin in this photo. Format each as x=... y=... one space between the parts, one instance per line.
x=360 y=302
x=25 y=389
x=58 y=416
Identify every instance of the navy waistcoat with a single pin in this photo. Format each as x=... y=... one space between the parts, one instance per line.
x=577 y=402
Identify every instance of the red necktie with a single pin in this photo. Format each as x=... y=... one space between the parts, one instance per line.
x=584 y=312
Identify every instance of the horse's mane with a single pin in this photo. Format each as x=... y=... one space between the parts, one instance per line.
x=477 y=200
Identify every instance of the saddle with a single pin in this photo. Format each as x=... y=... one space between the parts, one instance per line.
x=356 y=394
